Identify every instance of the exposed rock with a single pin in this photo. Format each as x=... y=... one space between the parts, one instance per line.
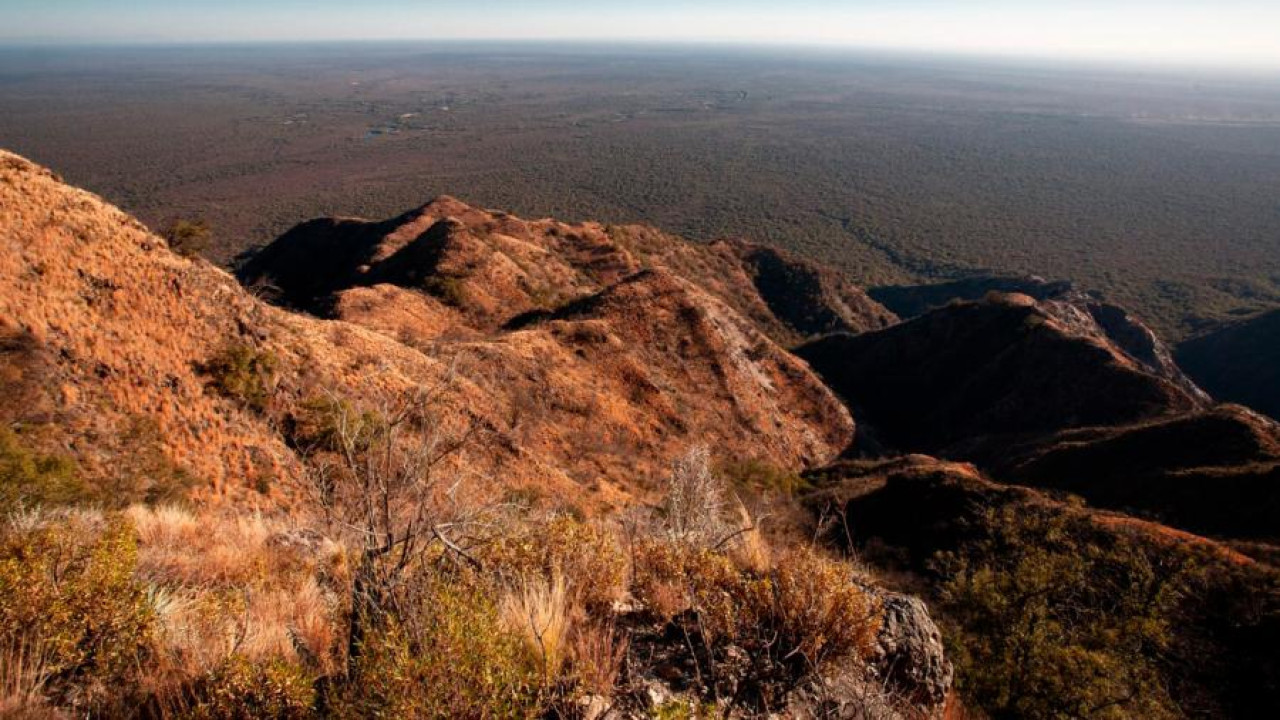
x=910 y=655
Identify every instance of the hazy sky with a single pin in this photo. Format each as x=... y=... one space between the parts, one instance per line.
x=1232 y=32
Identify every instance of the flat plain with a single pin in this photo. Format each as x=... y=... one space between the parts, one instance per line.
x=1159 y=190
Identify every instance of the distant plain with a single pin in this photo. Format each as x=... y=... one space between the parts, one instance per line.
x=1158 y=189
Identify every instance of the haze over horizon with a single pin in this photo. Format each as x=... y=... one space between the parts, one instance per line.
x=1238 y=33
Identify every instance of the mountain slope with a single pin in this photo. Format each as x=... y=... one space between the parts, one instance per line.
x=1239 y=362
x=574 y=409
x=1004 y=365
x=491 y=267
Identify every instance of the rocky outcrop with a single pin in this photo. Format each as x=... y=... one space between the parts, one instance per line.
x=910 y=656
x=1239 y=362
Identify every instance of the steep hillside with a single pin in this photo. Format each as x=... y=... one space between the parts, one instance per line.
x=490 y=267
x=1159 y=622
x=1238 y=362
x=1005 y=365
x=109 y=331
x=1214 y=472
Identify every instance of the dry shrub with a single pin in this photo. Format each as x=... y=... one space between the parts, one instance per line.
x=538 y=612
x=586 y=555
x=816 y=611
x=793 y=621
x=696 y=501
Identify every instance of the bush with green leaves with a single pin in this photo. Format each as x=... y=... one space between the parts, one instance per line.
x=28 y=478
x=67 y=589
x=243 y=373
x=446 y=653
x=241 y=689
x=1053 y=619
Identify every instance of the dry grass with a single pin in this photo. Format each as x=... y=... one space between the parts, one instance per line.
x=598 y=652
x=23 y=675
x=224 y=586
x=538 y=611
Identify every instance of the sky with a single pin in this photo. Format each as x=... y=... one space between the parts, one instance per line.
x=1222 y=32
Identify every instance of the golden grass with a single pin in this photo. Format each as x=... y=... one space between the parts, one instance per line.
x=223 y=585
x=538 y=611
x=23 y=674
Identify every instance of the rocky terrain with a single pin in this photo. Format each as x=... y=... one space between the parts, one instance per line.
x=683 y=397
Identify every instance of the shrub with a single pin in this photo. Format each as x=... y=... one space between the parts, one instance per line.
x=243 y=373
x=588 y=557
x=450 y=289
x=447 y=654
x=245 y=690
x=28 y=478
x=1053 y=619
x=67 y=587
x=796 y=620
x=188 y=238
x=696 y=501
x=758 y=475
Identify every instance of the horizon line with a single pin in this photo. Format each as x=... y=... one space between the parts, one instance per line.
x=1097 y=61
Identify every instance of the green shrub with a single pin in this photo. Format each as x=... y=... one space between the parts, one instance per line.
x=28 y=478
x=67 y=587
x=244 y=690
x=188 y=238
x=447 y=654
x=762 y=476
x=243 y=373
x=450 y=289
x=1053 y=619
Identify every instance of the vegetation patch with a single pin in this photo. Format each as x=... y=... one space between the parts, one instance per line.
x=243 y=373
